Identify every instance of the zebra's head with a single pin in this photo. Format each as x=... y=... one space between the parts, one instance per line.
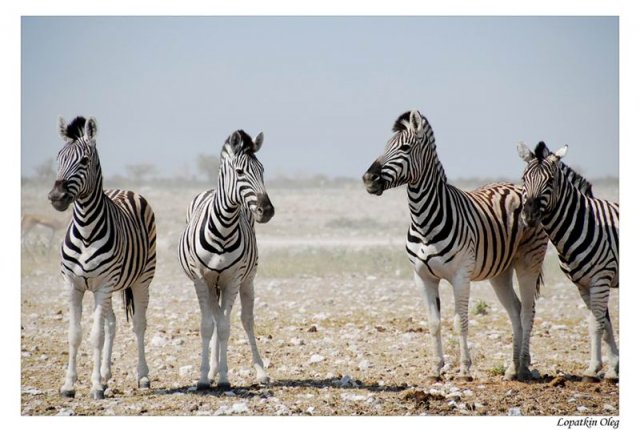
x=78 y=163
x=540 y=181
x=241 y=174
x=399 y=164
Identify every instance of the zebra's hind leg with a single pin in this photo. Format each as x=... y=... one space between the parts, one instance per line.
x=140 y=304
x=612 y=352
x=503 y=287
x=110 y=332
x=595 y=364
x=75 y=337
x=247 y=297
x=430 y=291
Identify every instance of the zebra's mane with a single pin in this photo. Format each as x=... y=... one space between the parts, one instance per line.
x=402 y=122
x=578 y=181
x=247 y=143
x=75 y=129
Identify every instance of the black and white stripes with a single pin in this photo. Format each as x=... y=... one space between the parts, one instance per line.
x=584 y=230
x=218 y=251
x=109 y=247
x=461 y=237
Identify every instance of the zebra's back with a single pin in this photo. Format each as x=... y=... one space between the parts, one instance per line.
x=482 y=226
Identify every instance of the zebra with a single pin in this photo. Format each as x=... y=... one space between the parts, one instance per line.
x=461 y=237
x=109 y=246
x=218 y=252
x=584 y=230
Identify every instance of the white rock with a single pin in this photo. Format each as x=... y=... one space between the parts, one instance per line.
x=467 y=393
x=32 y=391
x=296 y=341
x=239 y=408
x=514 y=412
x=185 y=370
x=582 y=409
x=229 y=393
x=608 y=407
x=353 y=397
x=66 y=412
x=316 y=358
x=310 y=410
x=363 y=365
x=158 y=341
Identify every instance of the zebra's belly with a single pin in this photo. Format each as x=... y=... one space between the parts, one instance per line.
x=429 y=260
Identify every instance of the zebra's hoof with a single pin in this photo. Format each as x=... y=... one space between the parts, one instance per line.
x=509 y=377
x=97 y=394
x=265 y=380
x=464 y=378
x=224 y=386
x=590 y=379
x=525 y=375
x=203 y=386
x=144 y=384
x=69 y=394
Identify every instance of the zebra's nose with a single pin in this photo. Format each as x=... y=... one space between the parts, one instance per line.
x=370 y=177
x=264 y=209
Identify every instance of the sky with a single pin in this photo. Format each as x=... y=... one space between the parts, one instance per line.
x=324 y=90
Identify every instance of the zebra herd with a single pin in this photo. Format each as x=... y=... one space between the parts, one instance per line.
x=459 y=236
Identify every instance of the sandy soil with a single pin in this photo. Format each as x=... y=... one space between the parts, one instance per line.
x=339 y=323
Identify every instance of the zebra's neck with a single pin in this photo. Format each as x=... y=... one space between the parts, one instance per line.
x=428 y=201
x=90 y=211
x=224 y=216
x=568 y=204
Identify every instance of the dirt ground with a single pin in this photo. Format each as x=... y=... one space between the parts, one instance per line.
x=340 y=325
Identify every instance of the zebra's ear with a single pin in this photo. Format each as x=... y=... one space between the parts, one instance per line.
x=91 y=129
x=525 y=153
x=62 y=129
x=235 y=142
x=257 y=142
x=416 y=123
x=561 y=152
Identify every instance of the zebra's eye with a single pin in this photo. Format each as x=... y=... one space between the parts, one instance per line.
x=84 y=160
x=239 y=172
x=405 y=147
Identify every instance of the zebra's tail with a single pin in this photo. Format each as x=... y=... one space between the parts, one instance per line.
x=127 y=299
x=539 y=283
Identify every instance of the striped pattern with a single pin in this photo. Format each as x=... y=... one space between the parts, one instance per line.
x=584 y=230
x=462 y=236
x=109 y=247
x=218 y=251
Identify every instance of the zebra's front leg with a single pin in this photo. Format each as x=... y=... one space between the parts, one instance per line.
x=461 y=290
x=247 y=297
x=110 y=332
x=429 y=290
x=528 y=283
x=222 y=317
x=75 y=337
x=206 y=330
x=595 y=364
x=503 y=287
x=140 y=305
x=102 y=297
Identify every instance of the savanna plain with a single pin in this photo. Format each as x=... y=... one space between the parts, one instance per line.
x=339 y=323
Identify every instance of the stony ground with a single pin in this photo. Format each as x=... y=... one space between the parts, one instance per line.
x=339 y=323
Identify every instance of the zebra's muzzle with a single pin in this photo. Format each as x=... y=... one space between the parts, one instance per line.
x=59 y=197
x=531 y=213
x=263 y=210
x=372 y=180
